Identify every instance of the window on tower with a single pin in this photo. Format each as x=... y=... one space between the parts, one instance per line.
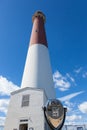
x=36 y=31
x=25 y=100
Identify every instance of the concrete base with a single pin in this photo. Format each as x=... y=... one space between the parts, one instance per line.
x=25 y=110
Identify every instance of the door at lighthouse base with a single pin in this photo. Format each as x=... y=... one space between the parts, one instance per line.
x=23 y=127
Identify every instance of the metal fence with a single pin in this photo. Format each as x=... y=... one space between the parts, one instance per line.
x=74 y=127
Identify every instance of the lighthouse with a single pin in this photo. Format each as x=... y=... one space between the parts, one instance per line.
x=37 y=72
x=25 y=111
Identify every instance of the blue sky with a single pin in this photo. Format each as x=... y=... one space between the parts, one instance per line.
x=66 y=29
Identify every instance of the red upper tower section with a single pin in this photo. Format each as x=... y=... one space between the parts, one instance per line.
x=38 y=35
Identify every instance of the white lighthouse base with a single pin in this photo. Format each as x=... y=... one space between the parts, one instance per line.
x=25 y=110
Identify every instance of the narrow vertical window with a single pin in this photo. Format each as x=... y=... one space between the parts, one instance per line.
x=25 y=100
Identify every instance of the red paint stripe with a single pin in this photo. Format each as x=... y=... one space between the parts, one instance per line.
x=38 y=35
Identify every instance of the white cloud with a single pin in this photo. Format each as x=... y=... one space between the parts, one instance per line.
x=78 y=70
x=83 y=107
x=71 y=78
x=69 y=106
x=60 y=81
x=70 y=96
x=2 y=120
x=6 y=86
x=84 y=75
x=73 y=118
x=3 y=109
x=3 y=105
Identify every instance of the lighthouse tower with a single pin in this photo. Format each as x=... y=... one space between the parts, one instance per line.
x=37 y=72
x=25 y=111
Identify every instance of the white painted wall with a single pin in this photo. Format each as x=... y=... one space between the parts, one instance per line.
x=34 y=112
x=37 y=72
